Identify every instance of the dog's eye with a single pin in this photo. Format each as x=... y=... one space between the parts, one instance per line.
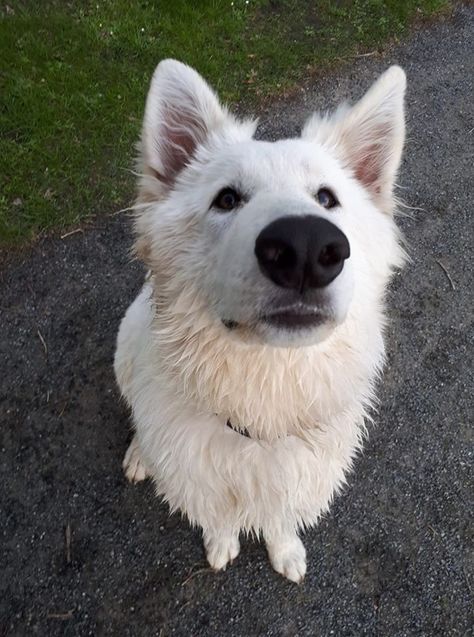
x=227 y=199
x=326 y=198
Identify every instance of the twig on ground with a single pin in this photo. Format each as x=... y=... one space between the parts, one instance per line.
x=194 y=573
x=43 y=342
x=68 y=234
x=467 y=578
x=185 y=605
x=67 y=534
x=433 y=530
x=366 y=55
x=66 y=403
x=121 y=211
x=66 y=615
x=446 y=273
x=132 y=208
x=357 y=55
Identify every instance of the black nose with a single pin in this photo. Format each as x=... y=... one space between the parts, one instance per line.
x=301 y=252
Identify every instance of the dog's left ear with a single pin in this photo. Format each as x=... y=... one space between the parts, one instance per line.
x=368 y=138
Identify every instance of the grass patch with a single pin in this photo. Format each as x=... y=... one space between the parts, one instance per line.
x=74 y=78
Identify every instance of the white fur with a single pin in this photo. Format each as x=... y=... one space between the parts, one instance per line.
x=302 y=395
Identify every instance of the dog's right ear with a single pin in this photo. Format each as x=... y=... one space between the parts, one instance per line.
x=181 y=111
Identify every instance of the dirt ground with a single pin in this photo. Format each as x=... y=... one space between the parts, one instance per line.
x=84 y=553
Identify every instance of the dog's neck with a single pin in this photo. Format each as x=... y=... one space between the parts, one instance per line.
x=267 y=391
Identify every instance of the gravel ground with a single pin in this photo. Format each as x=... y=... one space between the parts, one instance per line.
x=85 y=553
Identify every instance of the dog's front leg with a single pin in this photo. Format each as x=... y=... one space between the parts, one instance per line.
x=222 y=547
x=221 y=544
x=194 y=460
x=287 y=554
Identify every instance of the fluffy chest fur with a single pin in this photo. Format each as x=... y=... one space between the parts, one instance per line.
x=271 y=392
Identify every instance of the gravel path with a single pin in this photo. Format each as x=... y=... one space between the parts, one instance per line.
x=84 y=553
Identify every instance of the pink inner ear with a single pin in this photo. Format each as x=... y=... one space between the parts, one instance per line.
x=369 y=165
x=180 y=135
x=369 y=156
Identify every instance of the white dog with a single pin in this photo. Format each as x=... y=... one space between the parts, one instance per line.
x=249 y=357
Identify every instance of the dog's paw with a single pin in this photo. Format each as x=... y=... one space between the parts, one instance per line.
x=221 y=549
x=133 y=466
x=288 y=557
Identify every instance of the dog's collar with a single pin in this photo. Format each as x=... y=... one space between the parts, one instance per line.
x=239 y=430
x=243 y=431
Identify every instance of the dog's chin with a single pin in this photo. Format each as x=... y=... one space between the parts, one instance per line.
x=286 y=328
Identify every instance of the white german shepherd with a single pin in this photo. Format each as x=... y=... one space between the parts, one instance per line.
x=250 y=355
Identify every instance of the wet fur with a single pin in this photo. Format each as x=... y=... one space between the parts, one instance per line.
x=303 y=398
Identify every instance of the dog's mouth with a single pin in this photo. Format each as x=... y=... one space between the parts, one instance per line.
x=294 y=319
x=291 y=318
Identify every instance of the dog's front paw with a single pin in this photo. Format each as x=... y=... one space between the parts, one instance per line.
x=221 y=549
x=133 y=465
x=288 y=557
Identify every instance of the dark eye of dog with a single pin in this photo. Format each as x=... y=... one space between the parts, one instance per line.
x=326 y=198
x=227 y=199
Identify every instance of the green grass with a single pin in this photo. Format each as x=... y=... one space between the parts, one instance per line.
x=74 y=76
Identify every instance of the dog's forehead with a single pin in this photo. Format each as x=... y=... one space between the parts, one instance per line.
x=275 y=154
x=263 y=163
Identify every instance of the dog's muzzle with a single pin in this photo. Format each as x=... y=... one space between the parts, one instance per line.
x=301 y=255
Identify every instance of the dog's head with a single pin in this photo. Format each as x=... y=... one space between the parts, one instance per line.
x=276 y=242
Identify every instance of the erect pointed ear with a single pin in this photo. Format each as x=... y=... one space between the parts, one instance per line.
x=369 y=137
x=181 y=112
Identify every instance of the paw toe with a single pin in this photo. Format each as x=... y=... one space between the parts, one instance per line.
x=133 y=466
x=289 y=559
x=221 y=551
